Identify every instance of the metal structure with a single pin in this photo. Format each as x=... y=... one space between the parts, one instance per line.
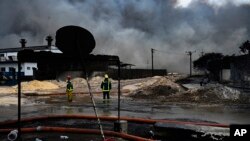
x=89 y=62
x=19 y=101
x=152 y=59
x=117 y=61
x=190 y=53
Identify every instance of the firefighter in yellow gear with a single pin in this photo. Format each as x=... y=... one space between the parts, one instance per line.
x=106 y=87
x=69 y=89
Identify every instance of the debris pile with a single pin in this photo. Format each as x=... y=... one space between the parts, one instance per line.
x=154 y=92
x=166 y=90
x=211 y=93
x=223 y=92
x=160 y=87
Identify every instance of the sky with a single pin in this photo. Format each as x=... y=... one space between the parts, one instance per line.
x=130 y=28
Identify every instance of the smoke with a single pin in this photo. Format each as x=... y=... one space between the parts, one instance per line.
x=130 y=28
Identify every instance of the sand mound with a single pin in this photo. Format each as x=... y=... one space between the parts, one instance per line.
x=79 y=82
x=38 y=85
x=96 y=80
x=140 y=85
x=7 y=90
x=59 y=83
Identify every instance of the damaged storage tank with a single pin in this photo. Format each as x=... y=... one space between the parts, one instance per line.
x=75 y=40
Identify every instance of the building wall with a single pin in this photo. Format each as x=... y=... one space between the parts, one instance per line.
x=240 y=71
x=226 y=74
x=63 y=75
x=136 y=73
x=9 y=60
x=7 y=66
x=25 y=67
x=28 y=68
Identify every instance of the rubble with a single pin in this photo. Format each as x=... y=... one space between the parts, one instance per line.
x=223 y=92
x=166 y=90
x=160 y=86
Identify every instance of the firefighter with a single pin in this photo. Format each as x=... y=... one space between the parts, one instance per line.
x=106 y=87
x=69 y=89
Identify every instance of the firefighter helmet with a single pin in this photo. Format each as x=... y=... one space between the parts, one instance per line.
x=68 y=77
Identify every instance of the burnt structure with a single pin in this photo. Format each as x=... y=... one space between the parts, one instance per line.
x=76 y=43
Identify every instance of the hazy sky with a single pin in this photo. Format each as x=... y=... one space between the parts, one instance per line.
x=130 y=28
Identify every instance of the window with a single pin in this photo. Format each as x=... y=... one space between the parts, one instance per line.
x=3 y=69
x=28 y=68
x=11 y=69
x=10 y=58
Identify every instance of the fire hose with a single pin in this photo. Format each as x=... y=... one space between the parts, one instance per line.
x=77 y=130
x=105 y=118
x=12 y=136
x=93 y=102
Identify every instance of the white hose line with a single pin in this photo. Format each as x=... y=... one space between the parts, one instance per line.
x=93 y=101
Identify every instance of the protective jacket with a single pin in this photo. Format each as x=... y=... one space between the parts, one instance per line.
x=69 y=87
x=106 y=85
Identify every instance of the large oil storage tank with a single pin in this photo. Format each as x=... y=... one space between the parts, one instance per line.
x=75 y=40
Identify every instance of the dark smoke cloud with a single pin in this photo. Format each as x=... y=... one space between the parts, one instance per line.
x=130 y=28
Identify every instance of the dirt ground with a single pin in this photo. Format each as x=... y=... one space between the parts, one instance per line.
x=159 y=97
x=159 y=88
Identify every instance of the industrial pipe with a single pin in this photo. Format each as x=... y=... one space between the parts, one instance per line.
x=113 y=118
x=79 y=131
x=12 y=136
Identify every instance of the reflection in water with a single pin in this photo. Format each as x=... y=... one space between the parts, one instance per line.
x=69 y=110
x=216 y=113
x=106 y=108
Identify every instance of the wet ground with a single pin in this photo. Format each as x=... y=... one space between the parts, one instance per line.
x=49 y=105
x=219 y=113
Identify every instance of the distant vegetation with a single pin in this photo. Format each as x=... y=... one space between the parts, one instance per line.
x=210 y=62
x=214 y=62
x=245 y=47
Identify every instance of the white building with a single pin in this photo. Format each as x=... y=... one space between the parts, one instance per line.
x=9 y=62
